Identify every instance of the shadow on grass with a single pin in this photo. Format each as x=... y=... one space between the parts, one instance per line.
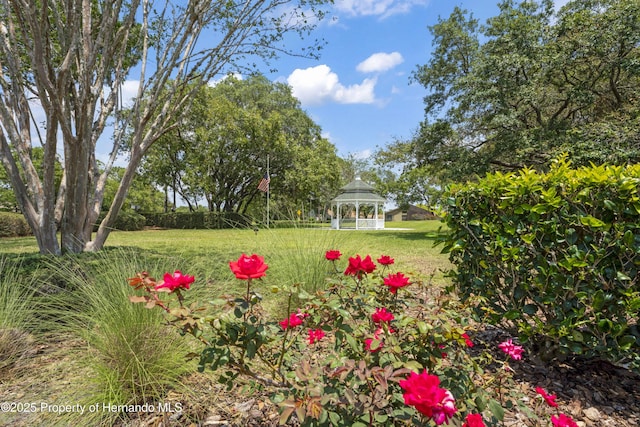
x=422 y=235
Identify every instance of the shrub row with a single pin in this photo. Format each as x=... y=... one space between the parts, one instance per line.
x=555 y=255
x=197 y=220
x=13 y=225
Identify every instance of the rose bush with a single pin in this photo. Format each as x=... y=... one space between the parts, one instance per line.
x=367 y=350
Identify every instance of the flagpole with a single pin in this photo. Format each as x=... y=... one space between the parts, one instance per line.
x=268 y=191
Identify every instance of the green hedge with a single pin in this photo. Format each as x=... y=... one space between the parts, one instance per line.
x=13 y=225
x=555 y=256
x=126 y=221
x=197 y=220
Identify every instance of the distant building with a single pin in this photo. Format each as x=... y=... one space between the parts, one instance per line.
x=413 y=213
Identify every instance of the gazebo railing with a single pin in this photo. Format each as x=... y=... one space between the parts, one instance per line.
x=358 y=224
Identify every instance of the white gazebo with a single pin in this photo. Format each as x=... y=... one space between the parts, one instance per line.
x=358 y=207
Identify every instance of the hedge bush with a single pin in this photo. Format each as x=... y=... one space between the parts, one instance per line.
x=125 y=221
x=197 y=220
x=553 y=255
x=13 y=225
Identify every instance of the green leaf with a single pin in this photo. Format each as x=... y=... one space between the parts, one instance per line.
x=352 y=342
x=591 y=221
x=496 y=409
x=626 y=342
x=577 y=336
x=622 y=277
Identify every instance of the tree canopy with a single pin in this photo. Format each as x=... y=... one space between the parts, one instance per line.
x=526 y=86
x=219 y=152
x=63 y=65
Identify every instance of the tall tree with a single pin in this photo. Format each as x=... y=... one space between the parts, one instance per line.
x=528 y=85
x=71 y=59
x=220 y=151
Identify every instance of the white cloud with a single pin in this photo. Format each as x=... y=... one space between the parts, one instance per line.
x=317 y=85
x=379 y=62
x=382 y=8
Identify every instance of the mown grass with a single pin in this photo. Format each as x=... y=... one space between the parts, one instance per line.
x=123 y=353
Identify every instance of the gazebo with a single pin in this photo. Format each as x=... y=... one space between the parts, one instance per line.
x=358 y=207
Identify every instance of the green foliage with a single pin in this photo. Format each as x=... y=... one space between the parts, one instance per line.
x=254 y=119
x=126 y=221
x=526 y=86
x=197 y=220
x=143 y=196
x=350 y=375
x=554 y=255
x=13 y=225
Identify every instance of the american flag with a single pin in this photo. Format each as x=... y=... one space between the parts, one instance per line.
x=264 y=183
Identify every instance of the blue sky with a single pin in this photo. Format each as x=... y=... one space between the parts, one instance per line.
x=359 y=91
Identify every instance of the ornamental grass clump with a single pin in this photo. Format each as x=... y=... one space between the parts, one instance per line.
x=358 y=352
x=129 y=356
x=18 y=317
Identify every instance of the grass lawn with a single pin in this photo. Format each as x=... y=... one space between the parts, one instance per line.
x=79 y=336
x=206 y=253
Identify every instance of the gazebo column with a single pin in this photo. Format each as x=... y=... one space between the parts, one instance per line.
x=376 y=217
x=357 y=213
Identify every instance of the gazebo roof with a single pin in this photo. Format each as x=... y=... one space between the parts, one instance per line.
x=358 y=191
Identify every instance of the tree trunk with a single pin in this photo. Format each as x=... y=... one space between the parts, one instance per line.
x=73 y=234
x=105 y=226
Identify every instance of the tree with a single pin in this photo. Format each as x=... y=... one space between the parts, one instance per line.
x=143 y=196
x=529 y=85
x=220 y=151
x=71 y=59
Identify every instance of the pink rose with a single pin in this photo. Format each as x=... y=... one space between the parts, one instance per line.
x=514 y=351
x=177 y=281
x=423 y=392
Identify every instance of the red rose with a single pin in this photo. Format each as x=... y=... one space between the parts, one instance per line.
x=358 y=266
x=294 y=320
x=315 y=335
x=467 y=340
x=177 y=281
x=396 y=281
x=382 y=315
x=549 y=398
x=474 y=420
x=385 y=260
x=246 y=267
x=563 y=420
x=332 y=255
x=367 y=265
